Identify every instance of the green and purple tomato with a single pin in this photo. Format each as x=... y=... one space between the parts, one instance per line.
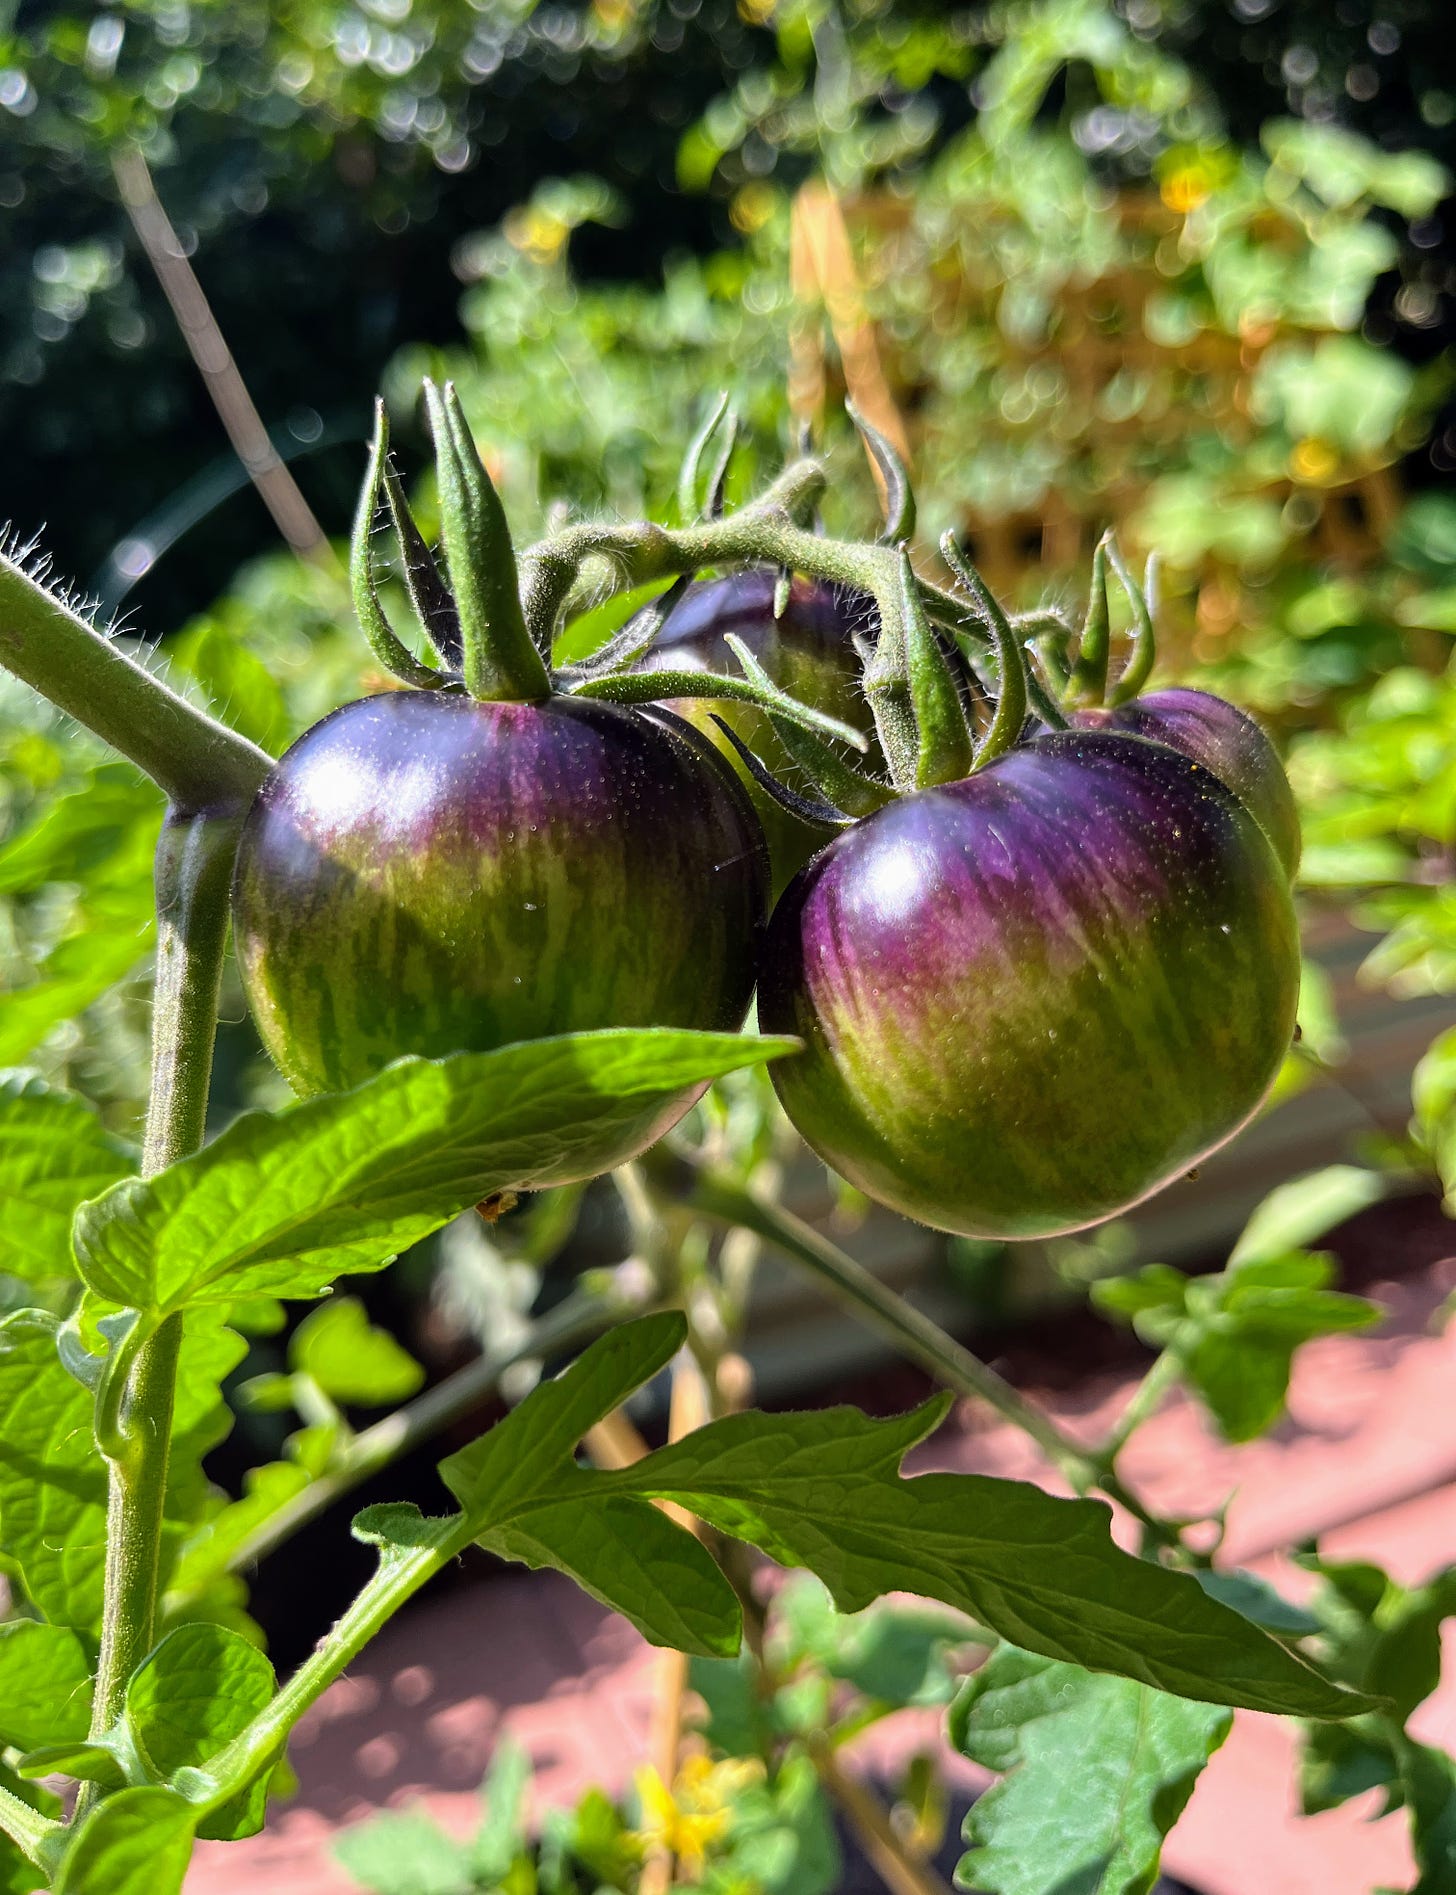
x=808 y=652
x=1034 y=997
x=1225 y=739
x=425 y=874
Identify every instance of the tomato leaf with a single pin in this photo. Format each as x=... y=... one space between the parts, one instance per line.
x=137 y=1842
x=824 y=1491
x=53 y=1483
x=1095 y=1770
x=282 y=1203
x=350 y=1359
x=54 y=1153
x=200 y=1687
x=1236 y=1332
x=45 y=1685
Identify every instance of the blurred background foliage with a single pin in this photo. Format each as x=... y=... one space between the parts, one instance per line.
x=1181 y=265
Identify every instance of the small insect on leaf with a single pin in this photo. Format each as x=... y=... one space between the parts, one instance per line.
x=494 y=1208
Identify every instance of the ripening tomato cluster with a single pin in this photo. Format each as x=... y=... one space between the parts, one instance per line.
x=1027 y=999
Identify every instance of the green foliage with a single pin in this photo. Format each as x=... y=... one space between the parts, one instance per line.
x=1096 y=1772
x=822 y=1491
x=1386 y=1638
x=350 y=1359
x=138 y=1842
x=1233 y=1334
x=54 y=1153
x=45 y=1684
x=282 y=1203
x=406 y=1853
x=53 y=1484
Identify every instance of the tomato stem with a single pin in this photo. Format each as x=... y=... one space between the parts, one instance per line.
x=193 y=877
x=198 y=763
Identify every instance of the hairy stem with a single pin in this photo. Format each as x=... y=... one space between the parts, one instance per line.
x=194 y=870
x=400 y=1574
x=197 y=762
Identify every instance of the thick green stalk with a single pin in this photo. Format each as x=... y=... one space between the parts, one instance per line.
x=197 y=762
x=194 y=872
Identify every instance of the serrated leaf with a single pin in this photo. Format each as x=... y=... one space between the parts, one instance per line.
x=194 y=1694
x=138 y=1842
x=1235 y=1333
x=54 y=1152
x=45 y=1685
x=352 y=1361
x=282 y=1203
x=824 y=1491
x=1096 y=1771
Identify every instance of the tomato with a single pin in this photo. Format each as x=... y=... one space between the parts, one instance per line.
x=1227 y=741
x=422 y=873
x=808 y=652
x=1033 y=997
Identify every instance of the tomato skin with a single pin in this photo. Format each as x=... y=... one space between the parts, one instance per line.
x=1032 y=998
x=425 y=874
x=808 y=652
x=1226 y=740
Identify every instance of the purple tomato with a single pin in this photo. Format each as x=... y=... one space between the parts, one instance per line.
x=1033 y=997
x=425 y=874
x=1227 y=741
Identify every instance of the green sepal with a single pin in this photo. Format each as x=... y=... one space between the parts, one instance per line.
x=651 y=687
x=394 y=656
x=1088 y=682
x=718 y=479
x=688 y=509
x=945 y=748
x=429 y=595
x=898 y=498
x=501 y=663
x=1143 y=600
x=845 y=788
x=635 y=639
x=1011 y=701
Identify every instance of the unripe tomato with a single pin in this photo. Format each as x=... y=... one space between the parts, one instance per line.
x=1228 y=742
x=425 y=874
x=1033 y=997
x=808 y=652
